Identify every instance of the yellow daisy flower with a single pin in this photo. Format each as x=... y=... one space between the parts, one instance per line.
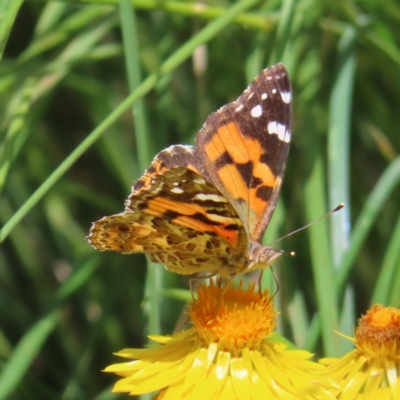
x=225 y=355
x=372 y=370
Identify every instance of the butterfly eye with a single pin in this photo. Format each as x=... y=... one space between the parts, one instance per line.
x=262 y=257
x=266 y=255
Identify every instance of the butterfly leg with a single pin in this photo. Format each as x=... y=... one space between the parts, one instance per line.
x=197 y=278
x=260 y=283
x=276 y=282
x=228 y=283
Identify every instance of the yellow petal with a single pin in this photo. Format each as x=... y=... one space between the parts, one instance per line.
x=182 y=359
x=155 y=382
x=262 y=370
x=207 y=386
x=383 y=394
x=393 y=378
x=372 y=384
x=123 y=385
x=227 y=392
x=353 y=386
x=223 y=361
x=247 y=360
x=198 y=367
x=279 y=376
x=340 y=368
x=240 y=378
x=159 y=338
x=174 y=391
x=125 y=369
x=261 y=391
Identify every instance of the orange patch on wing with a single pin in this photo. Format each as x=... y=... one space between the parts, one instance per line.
x=193 y=168
x=263 y=172
x=258 y=205
x=229 y=138
x=160 y=205
x=229 y=236
x=222 y=139
x=233 y=181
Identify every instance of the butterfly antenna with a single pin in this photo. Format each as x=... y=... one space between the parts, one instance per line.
x=337 y=208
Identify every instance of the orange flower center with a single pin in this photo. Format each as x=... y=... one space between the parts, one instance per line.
x=378 y=333
x=233 y=318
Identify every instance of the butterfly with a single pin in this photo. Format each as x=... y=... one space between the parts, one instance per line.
x=205 y=208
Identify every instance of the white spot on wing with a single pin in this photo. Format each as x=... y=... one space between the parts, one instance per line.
x=199 y=180
x=250 y=95
x=177 y=190
x=286 y=97
x=274 y=90
x=275 y=128
x=256 y=111
x=214 y=197
x=264 y=96
x=239 y=107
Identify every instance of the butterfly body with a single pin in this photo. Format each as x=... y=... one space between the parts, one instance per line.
x=204 y=208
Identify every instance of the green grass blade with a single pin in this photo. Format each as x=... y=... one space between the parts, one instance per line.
x=168 y=66
x=315 y=205
x=145 y=152
x=8 y=13
x=154 y=280
x=385 y=46
x=313 y=333
x=393 y=298
x=254 y=20
x=19 y=111
x=338 y=144
x=382 y=190
x=50 y=17
x=283 y=30
x=387 y=275
x=299 y=319
x=376 y=200
x=75 y=23
x=25 y=352
x=339 y=166
x=31 y=343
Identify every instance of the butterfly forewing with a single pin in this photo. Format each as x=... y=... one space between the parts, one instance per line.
x=244 y=147
x=206 y=207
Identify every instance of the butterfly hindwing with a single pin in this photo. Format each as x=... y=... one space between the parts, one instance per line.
x=184 y=198
x=180 y=221
x=173 y=156
x=180 y=249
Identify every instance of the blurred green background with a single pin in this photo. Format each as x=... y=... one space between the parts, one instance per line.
x=90 y=93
